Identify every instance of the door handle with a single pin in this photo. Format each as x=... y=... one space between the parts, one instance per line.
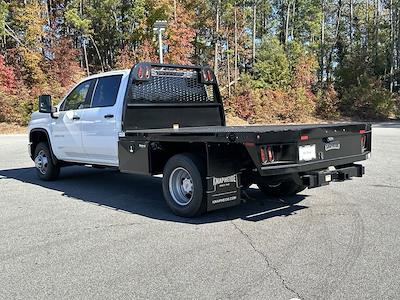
x=109 y=116
x=76 y=118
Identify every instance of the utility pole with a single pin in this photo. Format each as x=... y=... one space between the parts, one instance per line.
x=85 y=54
x=216 y=45
x=392 y=46
x=322 y=54
x=351 y=24
x=236 y=49
x=287 y=24
x=160 y=46
x=159 y=27
x=84 y=41
x=254 y=29
x=228 y=66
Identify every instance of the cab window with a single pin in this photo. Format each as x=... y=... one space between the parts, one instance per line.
x=106 y=91
x=78 y=98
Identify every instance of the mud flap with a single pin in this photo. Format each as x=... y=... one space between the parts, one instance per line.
x=223 y=178
x=223 y=191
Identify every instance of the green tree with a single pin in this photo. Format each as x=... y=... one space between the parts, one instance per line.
x=272 y=67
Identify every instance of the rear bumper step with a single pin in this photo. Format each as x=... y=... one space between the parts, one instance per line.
x=321 y=178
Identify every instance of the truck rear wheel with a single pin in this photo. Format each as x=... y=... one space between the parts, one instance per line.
x=45 y=167
x=288 y=187
x=183 y=185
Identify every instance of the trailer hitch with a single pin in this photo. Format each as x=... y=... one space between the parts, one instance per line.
x=341 y=173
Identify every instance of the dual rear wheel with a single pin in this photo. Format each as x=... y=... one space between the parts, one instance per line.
x=183 y=185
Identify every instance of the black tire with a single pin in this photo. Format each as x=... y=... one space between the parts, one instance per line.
x=50 y=171
x=189 y=201
x=288 y=187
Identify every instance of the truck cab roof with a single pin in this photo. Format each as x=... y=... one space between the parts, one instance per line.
x=109 y=73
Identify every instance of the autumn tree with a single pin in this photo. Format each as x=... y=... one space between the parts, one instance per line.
x=180 y=36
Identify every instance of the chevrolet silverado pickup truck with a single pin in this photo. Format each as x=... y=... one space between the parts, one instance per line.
x=169 y=119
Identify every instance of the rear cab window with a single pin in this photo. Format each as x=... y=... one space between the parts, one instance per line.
x=106 y=91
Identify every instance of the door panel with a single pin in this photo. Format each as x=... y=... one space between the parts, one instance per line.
x=67 y=128
x=99 y=125
x=67 y=135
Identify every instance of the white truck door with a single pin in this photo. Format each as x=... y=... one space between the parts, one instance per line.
x=99 y=129
x=66 y=129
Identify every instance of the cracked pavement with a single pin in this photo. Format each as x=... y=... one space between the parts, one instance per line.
x=101 y=234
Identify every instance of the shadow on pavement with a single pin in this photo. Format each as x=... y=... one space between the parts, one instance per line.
x=142 y=195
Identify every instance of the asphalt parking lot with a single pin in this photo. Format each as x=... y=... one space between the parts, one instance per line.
x=99 y=234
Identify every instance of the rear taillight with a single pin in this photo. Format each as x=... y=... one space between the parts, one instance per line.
x=263 y=156
x=207 y=76
x=140 y=72
x=147 y=74
x=270 y=154
x=210 y=76
x=266 y=154
x=363 y=142
x=304 y=138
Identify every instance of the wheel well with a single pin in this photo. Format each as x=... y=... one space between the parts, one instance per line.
x=38 y=136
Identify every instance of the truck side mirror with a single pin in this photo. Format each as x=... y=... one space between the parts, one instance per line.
x=45 y=104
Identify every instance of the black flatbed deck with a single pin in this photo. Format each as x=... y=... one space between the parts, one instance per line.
x=174 y=119
x=248 y=133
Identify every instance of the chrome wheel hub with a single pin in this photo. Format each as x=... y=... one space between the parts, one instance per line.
x=181 y=186
x=41 y=162
x=187 y=186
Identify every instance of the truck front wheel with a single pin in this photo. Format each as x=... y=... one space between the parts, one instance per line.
x=45 y=167
x=183 y=185
x=288 y=187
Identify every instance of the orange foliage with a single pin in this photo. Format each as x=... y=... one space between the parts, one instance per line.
x=64 y=67
x=127 y=57
x=267 y=105
x=180 y=35
x=304 y=74
x=328 y=102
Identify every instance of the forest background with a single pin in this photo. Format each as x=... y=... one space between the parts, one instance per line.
x=276 y=60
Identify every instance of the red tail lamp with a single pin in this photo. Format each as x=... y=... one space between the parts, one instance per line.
x=304 y=138
x=266 y=154
x=263 y=155
x=147 y=74
x=209 y=76
x=140 y=72
x=363 y=141
x=270 y=154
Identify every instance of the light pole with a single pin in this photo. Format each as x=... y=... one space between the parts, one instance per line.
x=84 y=42
x=160 y=26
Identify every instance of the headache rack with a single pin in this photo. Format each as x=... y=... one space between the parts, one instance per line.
x=165 y=95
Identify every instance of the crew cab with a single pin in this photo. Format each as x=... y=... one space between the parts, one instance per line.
x=169 y=119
